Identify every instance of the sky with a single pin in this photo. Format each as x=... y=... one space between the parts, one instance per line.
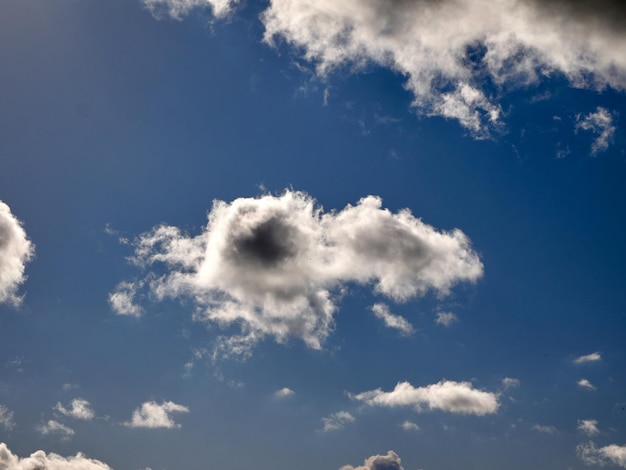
x=308 y=234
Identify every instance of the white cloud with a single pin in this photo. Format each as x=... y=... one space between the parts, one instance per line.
x=79 y=409
x=609 y=455
x=390 y=461
x=446 y=318
x=593 y=357
x=274 y=264
x=392 y=321
x=544 y=429
x=588 y=426
x=584 y=383
x=54 y=427
x=601 y=124
x=284 y=393
x=122 y=300
x=153 y=415
x=453 y=397
x=41 y=461
x=6 y=418
x=409 y=426
x=178 y=8
x=15 y=251
x=509 y=382
x=337 y=421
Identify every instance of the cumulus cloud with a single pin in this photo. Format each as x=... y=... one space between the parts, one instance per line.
x=6 y=418
x=79 y=409
x=449 y=396
x=601 y=124
x=122 y=300
x=392 y=321
x=588 y=426
x=609 y=455
x=584 y=383
x=409 y=426
x=56 y=428
x=153 y=415
x=284 y=392
x=41 y=461
x=336 y=421
x=178 y=8
x=275 y=265
x=15 y=251
x=593 y=357
x=390 y=461
x=446 y=318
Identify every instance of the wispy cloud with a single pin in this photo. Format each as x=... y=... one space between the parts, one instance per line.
x=54 y=427
x=453 y=397
x=152 y=415
x=284 y=392
x=396 y=322
x=178 y=8
x=446 y=318
x=609 y=455
x=409 y=426
x=584 y=383
x=509 y=382
x=601 y=124
x=79 y=409
x=390 y=461
x=544 y=429
x=336 y=421
x=588 y=426
x=51 y=461
x=593 y=357
x=6 y=418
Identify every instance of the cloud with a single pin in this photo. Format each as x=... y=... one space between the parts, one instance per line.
x=409 y=426
x=608 y=455
x=390 y=461
x=392 y=321
x=601 y=124
x=453 y=397
x=544 y=429
x=593 y=357
x=153 y=415
x=584 y=383
x=588 y=426
x=6 y=418
x=80 y=409
x=509 y=382
x=41 y=461
x=274 y=265
x=176 y=9
x=284 y=393
x=54 y=427
x=122 y=300
x=337 y=421
x=15 y=251
x=446 y=318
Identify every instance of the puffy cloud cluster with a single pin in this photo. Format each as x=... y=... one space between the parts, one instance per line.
x=15 y=251
x=274 y=264
x=452 y=52
x=41 y=461
x=390 y=461
x=601 y=124
x=609 y=455
x=153 y=415
x=392 y=321
x=588 y=426
x=446 y=395
x=336 y=421
x=79 y=409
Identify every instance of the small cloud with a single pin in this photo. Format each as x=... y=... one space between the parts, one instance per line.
x=609 y=455
x=284 y=393
x=446 y=318
x=51 y=461
x=584 y=383
x=54 y=427
x=79 y=409
x=601 y=124
x=397 y=322
x=391 y=461
x=68 y=387
x=177 y=9
x=122 y=299
x=593 y=357
x=153 y=415
x=409 y=426
x=337 y=421
x=544 y=429
x=6 y=418
x=588 y=426
x=509 y=382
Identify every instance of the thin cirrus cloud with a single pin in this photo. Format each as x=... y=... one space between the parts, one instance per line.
x=601 y=124
x=79 y=409
x=274 y=264
x=41 y=461
x=15 y=251
x=389 y=461
x=458 y=57
x=152 y=415
x=446 y=318
x=586 y=385
x=336 y=421
x=593 y=357
x=395 y=322
x=588 y=426
x=53 y=427
x=446 y=395
x=608 y=455
x=6 y=418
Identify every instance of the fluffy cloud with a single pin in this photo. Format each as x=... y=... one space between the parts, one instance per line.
x=153 y=415
x=588 y=426
x=122 y=300
x=15 y=251
x=6 y=418
x=284 y=393
x=337 y=421
x=79 y=409
x=509 y=382
x=585 y=384
x=41 y=461
x=54 y=427
x=601 y=124
x=446 y=318
x=390 y=461
x=608 y=455
x=593 y=357
x=178 y=8
x=274 y=264
x=453 y=397
x=392 y=321
x=409 y=426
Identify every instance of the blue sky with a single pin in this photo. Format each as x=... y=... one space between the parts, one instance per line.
x=313 y=235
